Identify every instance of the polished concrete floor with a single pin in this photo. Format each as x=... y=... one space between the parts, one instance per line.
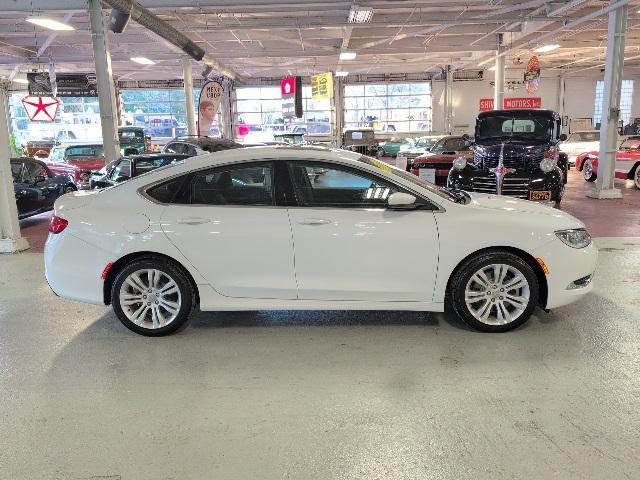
x=320 y=395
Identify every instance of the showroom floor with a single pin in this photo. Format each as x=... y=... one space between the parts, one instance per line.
x=325 y=394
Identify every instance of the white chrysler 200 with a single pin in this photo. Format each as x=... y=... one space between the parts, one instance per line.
x=270 y=228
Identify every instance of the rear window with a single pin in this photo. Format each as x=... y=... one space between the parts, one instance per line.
x=85 y=151
x=171 y=191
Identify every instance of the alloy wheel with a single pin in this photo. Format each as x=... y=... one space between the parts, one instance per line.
x=150 y=298
x=497 y=294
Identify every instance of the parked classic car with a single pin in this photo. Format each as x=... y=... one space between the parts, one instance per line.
x=421 y=146
x=128 y=167
x=580 y=142
x=36 y=187
x=392 y=147
x=627 y=162
x=86 y=157
x=434 y=165
x=197 y=145
x=516 y=154
x=361 y=140
x=133 y=141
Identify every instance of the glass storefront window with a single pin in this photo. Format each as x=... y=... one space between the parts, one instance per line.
x=388 y=107
x=259 y=114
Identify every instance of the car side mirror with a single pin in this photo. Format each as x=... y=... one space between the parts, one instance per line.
x=39 y=179
x=401 y=201
x=562 y=137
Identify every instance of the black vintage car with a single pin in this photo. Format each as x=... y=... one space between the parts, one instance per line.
x=128 y=167
x=36 y=187
x=516 y=154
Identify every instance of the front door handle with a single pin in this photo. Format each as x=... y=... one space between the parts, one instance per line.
x=314 y=221
x=193 y=221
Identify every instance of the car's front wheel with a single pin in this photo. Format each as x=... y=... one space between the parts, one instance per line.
x=636 y=177
x=587 y=171
x=152 y=297
x=494 y=292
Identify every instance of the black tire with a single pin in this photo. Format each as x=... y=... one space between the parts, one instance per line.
x=636 y=176
x=70 y=188
x=587 y=171
x=174 y=272
x=463 y=275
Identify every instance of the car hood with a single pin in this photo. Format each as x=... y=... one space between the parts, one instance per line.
x=511 y=149
x=518 y=207
x=59 y=165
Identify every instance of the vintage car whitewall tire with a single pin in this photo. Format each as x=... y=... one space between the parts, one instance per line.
x=152 y=297
x=636 y=177
x=587 y=171
x=494 y=292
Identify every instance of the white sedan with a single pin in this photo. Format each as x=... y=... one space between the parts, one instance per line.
x=272 y=228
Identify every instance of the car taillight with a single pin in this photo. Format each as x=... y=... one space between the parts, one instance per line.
x=57 y=224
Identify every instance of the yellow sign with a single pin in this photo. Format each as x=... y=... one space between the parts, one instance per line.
x=322 y=86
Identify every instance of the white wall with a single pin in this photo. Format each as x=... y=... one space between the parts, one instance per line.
x=579 y=97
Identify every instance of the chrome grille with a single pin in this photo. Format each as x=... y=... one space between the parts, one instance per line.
x=528 y=163
x=511 y=186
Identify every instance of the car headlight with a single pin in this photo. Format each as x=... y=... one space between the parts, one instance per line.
x=459 y=163
x=547 y=164
x=575 y=238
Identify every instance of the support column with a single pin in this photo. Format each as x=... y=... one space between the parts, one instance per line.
x=226 y=111
x=104 y=75
x=561 y=93
x=338 y=109
x=188 y=96
x=10 y=238
x=611 y=105
x=448 y=101
x=498 y=91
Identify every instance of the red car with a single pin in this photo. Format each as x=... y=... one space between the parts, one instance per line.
x=627 y=162
x=84 y=158
x=59 y=168
x=434 y=165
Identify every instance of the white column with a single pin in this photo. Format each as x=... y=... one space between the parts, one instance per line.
x=498 y=91
x=10 y=237
x=188 y=96
x=338 y=109
x=611 y=105
x=104 y=75
x=448 y=101
x=226 y=110
x=561 y=94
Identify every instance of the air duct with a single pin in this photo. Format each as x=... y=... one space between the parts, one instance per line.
x=161 y=28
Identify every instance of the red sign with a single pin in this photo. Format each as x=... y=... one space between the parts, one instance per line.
x=288 y=86
x=524 y=102
x=512 y=103
x=486 y=104
x=41 y=109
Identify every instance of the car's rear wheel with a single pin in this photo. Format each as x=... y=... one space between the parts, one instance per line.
x=69 y=189
x=587 y=171
x=636 y=177
x=152 y=297
x=494 y=292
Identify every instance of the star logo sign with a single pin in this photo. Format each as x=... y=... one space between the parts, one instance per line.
x=41 y=108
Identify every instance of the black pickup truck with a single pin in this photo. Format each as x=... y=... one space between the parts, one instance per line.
x=515 y=153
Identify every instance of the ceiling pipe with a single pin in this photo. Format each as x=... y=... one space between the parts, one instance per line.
x=558 y=30
x=163 y=29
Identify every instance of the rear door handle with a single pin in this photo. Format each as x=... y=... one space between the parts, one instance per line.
x=193 y=221
x=314 y=221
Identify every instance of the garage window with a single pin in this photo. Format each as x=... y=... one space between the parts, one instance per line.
x=388 y=107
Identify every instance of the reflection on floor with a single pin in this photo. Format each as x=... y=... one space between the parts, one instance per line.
x=604 y=218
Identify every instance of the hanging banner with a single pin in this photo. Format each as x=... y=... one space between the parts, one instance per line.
x=210 y=98
x=322 y=86
x=41 y=109
x=532 y=74
x=39 y=84
x=291 y=91
x=77 y=85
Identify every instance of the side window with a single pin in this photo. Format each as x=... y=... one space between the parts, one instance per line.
x=234 y=185
x=189 y=150
x=174 y=191
x=16 y=171
x=173 y=148
x=320 y=185
x=37 y=169
x=122 y=171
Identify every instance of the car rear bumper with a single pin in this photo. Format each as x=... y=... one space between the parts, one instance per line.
x=73 y=268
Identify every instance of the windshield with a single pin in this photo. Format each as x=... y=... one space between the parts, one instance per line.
x=385 y=167
x=452 y=144
x=526 y=125
x=426 y=142
x=584 y=137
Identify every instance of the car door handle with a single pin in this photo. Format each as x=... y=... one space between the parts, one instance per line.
x=314 y=221
x=193 y=221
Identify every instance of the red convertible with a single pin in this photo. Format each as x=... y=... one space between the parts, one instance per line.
x=627 y=162
x=434 y=166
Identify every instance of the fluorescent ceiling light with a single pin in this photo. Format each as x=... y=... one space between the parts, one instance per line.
x=547 y=48
x=347 y=55
x=20 y=80
x=341 y=74
x=142 y=61
x=50 y=23
x=360 y=14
